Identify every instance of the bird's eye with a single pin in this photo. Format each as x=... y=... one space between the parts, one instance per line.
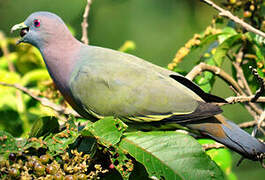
x=36 y=23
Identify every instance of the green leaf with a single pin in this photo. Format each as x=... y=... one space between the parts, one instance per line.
x=170 y=155
x=220 y=37
x=223 y=48
x=227 y=32
x=206 y=79
x=58 y=143
x=35 y=143
x=209 y=39
x=221 y=156
x=107 y=130
x=255 y=38
x=44 y=126
x=7 y=144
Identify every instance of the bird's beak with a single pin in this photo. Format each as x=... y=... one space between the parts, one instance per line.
x=18 y=27
x=23 y=30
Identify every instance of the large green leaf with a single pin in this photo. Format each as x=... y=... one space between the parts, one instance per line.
x=170 y=155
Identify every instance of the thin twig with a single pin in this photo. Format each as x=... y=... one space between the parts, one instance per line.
x=241 y=78
x=217 y=71
x=250 y=124
x=252 y=108
x=43 y=101
x=84 y=24
x=212 y=146
x=232 y=100
x=228 y=14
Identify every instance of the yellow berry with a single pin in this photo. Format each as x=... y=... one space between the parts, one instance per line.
x=252 y=7
x=232 y=1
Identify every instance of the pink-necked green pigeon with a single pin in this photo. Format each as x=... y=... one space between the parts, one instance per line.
x=99 y=82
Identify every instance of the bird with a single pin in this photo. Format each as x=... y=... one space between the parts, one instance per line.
x=99 y=82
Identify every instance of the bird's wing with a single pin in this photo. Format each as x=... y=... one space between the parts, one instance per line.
x=109 y=83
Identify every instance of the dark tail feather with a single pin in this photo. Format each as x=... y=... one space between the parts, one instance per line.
x=232 y=136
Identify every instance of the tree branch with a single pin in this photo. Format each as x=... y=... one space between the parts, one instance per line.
x=217 y=71
x=84 y=24
x=43 y=101
x=232 y=100
x=239 y=72
x=228 y=14
x=251 y=124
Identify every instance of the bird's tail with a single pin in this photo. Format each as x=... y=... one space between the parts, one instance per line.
x=231 y=135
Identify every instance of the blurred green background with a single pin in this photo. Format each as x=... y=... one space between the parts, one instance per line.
x=158 y=28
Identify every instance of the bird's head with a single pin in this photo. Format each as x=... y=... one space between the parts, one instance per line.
x=40 y=28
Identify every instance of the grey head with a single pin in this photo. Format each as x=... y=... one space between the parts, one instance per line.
x=42 y=28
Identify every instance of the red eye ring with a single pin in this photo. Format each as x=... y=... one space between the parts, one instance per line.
x=36 y=23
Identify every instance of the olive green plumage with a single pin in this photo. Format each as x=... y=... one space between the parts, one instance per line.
x=122 y=85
